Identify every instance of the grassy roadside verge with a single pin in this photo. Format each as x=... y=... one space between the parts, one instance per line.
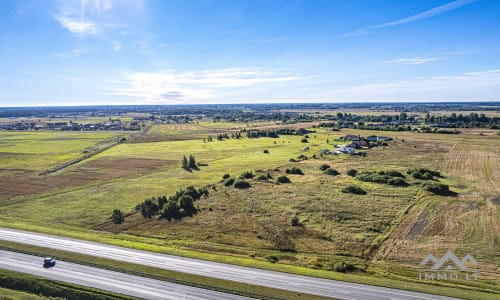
x=215 y=284
x=8 y=294
x=30 y=285
x=378 y=277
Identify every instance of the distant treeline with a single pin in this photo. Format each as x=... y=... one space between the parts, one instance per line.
x=275 y=133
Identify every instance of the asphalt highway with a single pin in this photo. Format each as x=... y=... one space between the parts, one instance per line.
x=285 y=281
x=121 y=283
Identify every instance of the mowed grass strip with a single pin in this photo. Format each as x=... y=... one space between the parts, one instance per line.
x=23 y=286
x=12 y=294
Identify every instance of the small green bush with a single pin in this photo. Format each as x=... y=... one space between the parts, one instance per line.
x=397 y=182
x=352 y=172
x=294 y=170
x=354 y=189
x=262 y=177
x=295 y=222
x=331 y=172
x=423 y=173
x=382 y=177
x=247 y=175
x=391 y=173
x=226 y=176
x=241 y=184
x=229 y=182
x=437 y=188
x=272 y=259
x=343 y=267
x=283 y=179
x=323 y=167
x=266 y=151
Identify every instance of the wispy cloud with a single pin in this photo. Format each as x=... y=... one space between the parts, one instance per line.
x=470 y=86
x=424 y=15
x=77 y=16
x=76 y=52
x=172 y=87
x=412 y=61
x=107 y=21
x=117 y=46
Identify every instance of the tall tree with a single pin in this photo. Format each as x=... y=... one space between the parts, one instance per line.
x=117 y=216
x=192 y=162
x=185 y=164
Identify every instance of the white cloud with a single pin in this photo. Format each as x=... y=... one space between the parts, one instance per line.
x=168 y=86
x=424 y=15
x=117 y=46
x=413 y=60
x=105 y=20
x=76 y=52
x=471 y=86
x=78 y=27
x=261 y=86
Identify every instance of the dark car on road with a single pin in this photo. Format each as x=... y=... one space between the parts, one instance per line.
x=49 y=262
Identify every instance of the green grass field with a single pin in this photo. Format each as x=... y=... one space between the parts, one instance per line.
x=36 y=151
x=384 y=233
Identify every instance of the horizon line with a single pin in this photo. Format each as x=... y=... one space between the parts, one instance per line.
x=262 y=103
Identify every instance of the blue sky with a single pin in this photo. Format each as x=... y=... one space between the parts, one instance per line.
x=209 y=51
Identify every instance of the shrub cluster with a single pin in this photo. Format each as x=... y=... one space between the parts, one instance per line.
x=323 y=167
x=386 y=177
x=354 y=189
x=343 y=267
x=176 y=207
x=332 y=172
x=423 y=173
x=352 y=172
x=241 y=184
x=247 y=175
x=262 y=177
x=437 y=188
x=228 y=182
x=283 y=179
x=391 y=173
x=294 y=170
